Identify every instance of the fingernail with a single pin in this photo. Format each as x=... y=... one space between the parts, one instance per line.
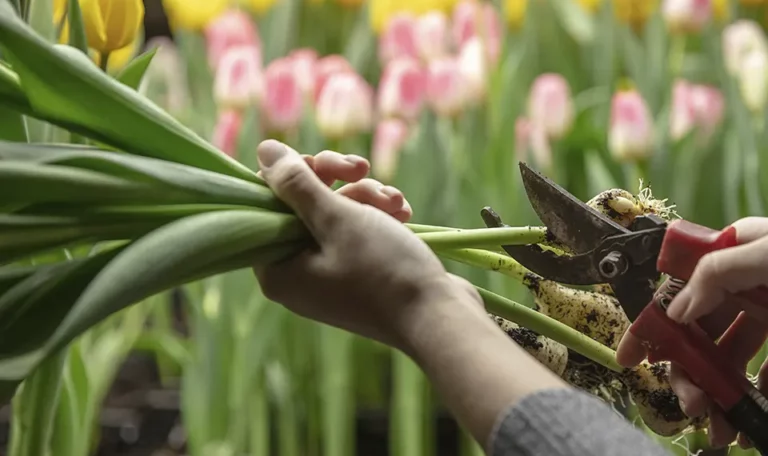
x=390 y=192
x=355 y=160
x=271 y=152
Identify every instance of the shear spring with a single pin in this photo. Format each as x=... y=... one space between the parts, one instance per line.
x=668 y=290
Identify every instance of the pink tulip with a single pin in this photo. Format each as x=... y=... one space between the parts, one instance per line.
x=399 y=38
x=432 y=35
x=630 y=134
x=402 y=90
x=283 y=102
x=531 y=142
x=227 y=131
x=686 y=16
x=388 y=141
x=446 y=93
x=345 y=106
x=476 y=19
x=473 y=66
x=327 y=67
x=694 y=106
x=239 y=80
x=305 y=63
x=232 y=28
x=550 y=105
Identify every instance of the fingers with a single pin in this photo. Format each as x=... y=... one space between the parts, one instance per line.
x=751 y=229
x=721 y=433
x=630 y=351
x=294 y=182
x=743 y=340
x=332 y=166
x=718 y=274
x=385 y=198
x=693 y=401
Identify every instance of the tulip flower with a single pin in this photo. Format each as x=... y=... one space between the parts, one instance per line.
x=753 y=81
x=111 y=24
x=239 y=81
x=327 y=67
x=432 y=37
x=697 y=107
x=514 y=12
x=232 y=28
x=473 y=65
x=305 y=60
x=446 y=92
x=258 y=7
x=227 y=132
x=531 y=143
x=283 y=102
x=475 y=19
x=740 y=39
x=402 y=90
x=550 y=105
x=165 y=80
x=388 y=141
x=345 y=106
x=399 y=38
x=193 y=15
x=630 y=133
x=686 y=16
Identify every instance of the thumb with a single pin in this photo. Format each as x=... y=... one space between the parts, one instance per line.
x=295 y=183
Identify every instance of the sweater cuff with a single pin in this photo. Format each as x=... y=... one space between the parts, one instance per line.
x=566 y=422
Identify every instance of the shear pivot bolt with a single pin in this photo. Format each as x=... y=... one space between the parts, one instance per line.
x=613 y=265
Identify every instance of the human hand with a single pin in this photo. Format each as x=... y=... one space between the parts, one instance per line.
x=708 y=298
x=368 y=273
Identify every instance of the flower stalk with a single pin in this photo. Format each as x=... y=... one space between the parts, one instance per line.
x=483 y=237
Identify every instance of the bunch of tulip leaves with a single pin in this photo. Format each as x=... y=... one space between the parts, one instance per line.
x=154 y=205
x=145 y=205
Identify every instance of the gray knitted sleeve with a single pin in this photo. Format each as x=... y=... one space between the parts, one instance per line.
x=568 y=422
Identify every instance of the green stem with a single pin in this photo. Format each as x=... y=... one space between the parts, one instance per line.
x=419 y=228
x=677 y=55
x=525 y=316
x=551 y=328
x=483 y=237
x=104 y=64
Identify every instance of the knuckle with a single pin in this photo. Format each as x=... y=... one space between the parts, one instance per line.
x=291 y=176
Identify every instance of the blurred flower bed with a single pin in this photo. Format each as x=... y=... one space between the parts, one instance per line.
x=444 y=97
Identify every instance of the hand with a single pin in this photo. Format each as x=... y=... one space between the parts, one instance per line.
x=708 y=298
x=368 y=274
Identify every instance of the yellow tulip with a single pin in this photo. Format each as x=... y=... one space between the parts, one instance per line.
x=193 y=15
x=120 y=58
x=111 y=24
x=590 y=5
x=379 y=12
x=721 y=10
x=59 y=9
x=258 y=7
x=514 y=12
x=634 y=12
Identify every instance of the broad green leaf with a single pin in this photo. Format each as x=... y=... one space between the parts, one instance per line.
x=133 y=73
x=26 y=183
x=206 y=186
x=63 y=84
x=22 y=236
x=11 y=93
x=77 y=38
x=36 y=406
x=574 y=19
x=168 y=254
x=12 y=126
x=41 y=19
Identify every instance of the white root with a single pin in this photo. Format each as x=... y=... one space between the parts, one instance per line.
x=551 y=354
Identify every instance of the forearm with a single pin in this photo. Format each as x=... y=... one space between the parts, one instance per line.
x=478 y=371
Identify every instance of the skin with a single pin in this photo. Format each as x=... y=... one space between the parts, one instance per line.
x=371 y=275
x=709 y=299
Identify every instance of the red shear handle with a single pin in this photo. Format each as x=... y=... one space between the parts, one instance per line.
x=686 y=243
x=692 y=349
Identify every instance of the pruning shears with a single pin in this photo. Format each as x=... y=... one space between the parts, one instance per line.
x=632 y=260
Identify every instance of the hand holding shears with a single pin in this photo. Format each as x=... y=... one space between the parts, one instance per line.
x=632 y=260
